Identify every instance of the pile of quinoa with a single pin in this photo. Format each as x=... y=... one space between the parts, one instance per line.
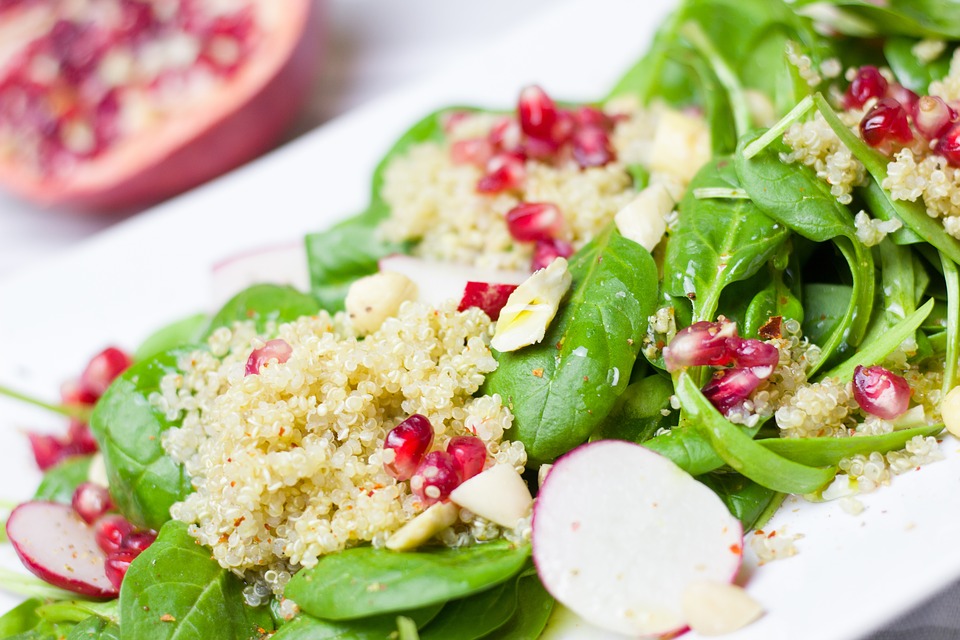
x=287 y=465
x=435 y=201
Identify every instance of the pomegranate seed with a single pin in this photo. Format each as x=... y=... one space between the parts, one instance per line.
x=103 y=369
x=505 y=135
x=409 y=440
x=78 y=48
x=540 y=149
x=868 y=83
x=487 y=296
x=80 y=440
x=475 y=151
x=72 y=393
x=110 y=532
x=137 y=18
x=729 y=388
x=948 y=145
x=504 y=171
x=587 y=116
x=469 y=453
x=435 y=478
x=761 y=358
x=137 y=541
x=537 y=113
x=91 y=501
x=592 y=147
x=932 y=116
x=886 y=122
x=532 y=221
x=702 y=344
x=116 y=565
x=904 y=96
x=276 y=349
x=546 y=251
x=47 y=450
x=880 y=392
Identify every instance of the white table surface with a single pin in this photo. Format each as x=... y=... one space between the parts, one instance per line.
x=374 y=47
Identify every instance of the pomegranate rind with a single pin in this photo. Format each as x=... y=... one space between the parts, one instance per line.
x=57 y=546
x=619 y=532
x=240 y=120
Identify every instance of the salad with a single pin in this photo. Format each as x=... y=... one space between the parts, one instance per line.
x=743 y=259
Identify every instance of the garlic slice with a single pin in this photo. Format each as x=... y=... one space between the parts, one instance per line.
x=644 y=219
x=716 y=608
x=426 y=525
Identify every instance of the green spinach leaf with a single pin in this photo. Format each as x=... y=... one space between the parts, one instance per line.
x=822 y=452
x=174 y=589
x=264 y=304
x=144 y=481
x=746 y=500
x=637 y=414
x=915 y=18
x=306 y=627
x=561 y=389
x=475 y=616
x=364 y=581
x=913 y=73
x=61 y=481
x=534 y=606
x=185 y=331
x=95 y=628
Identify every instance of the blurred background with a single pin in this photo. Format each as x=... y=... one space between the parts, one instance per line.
x=370 y=48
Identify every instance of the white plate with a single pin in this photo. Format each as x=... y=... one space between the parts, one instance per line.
x=852 y=574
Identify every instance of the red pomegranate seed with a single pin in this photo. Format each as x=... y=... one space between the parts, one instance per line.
x=540 y=149
x=276 y=349
x=137 y=541
x=761 y=358
x=868 y=83
x=72 y=393
x=505 y=135
x=110 y=532
x=904 y=96
x=116 y=566
x=592 y=147
x=103 y=370
x=546 y=251
x=435 y=478
x=78 y=49
x=702 y=344
x=880 y=392
x=587 y=116
x=948 y=145
x=537 y=113
x=532 y=221
x=136 y=18
x=886 y=122
x=932 y=117
x=91 y=501
x=489 y=297
x=47 y=450
x=475 y=151
x=469 y=453
x=505 y=171
x=729 y=388
x=409 y=441
x=80 y=439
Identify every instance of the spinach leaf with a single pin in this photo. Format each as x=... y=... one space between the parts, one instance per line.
x=880 y=206
x=561 y=389
x=352 y=248
x=916 y=18
x=95 y=628
x=22 y=617
x=824 y=309
x=144 y=481
x=174 y=589
x=717 y=241
x=185 y=331
x=475 y=616
x=305 y=627
x=637 y=414
x=534 y=606
x=775 y=299
x=741 y=452
x=746 y=500
x=264 y=304
x=822 y=452
x=687 y=448
x=911 y=72
x=951 y=278
x=61 y=481
x=364 y=581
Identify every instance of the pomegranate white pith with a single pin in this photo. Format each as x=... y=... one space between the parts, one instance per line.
x=620 y=532
x=263 y=77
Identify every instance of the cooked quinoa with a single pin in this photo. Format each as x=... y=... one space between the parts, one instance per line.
x=435 y=201
x=287 y=465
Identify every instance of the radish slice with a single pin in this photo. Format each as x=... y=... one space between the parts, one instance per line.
x=283 y=264
x=57 y=546
x=620 y=532
x=441 y=281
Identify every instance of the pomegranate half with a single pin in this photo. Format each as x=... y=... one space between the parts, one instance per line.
x=117 y=104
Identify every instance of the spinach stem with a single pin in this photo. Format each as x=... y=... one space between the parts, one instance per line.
x=705 y=193
x=952 y=278
x=777 y=130
x=31 y=587
x=76 y=412
x=738 y=100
